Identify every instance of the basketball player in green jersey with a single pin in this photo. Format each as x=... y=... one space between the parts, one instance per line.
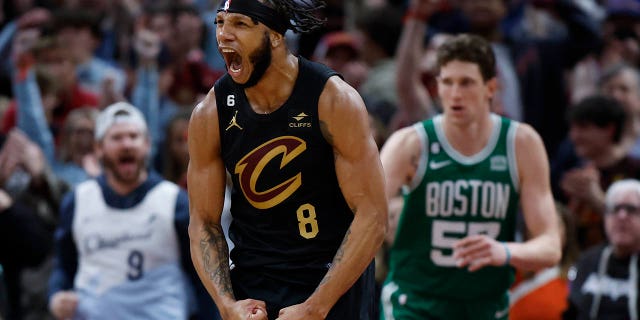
x=464 y=175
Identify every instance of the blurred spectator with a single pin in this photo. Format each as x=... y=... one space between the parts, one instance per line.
x=176 y=154
x=77 y=135
x=596 y=126
x=379 y=30
x=340 y=51
x=122 y=247
x=176 y=35
x=54 y=61
x=38 y=104
x=29 y=196
x=115 y=24
x=543 y=294
x=620 y=34
x=79 y=31
x=622 y=82
x=170 y=75
x=159 y=19
x=416 y=64
x=32 y=19
x=606 y=277
x=152 y=67
x=193 y=78
x=542 y=57
x=26 y=242
x=484 y=18
x=336 y=19
x=76 y=160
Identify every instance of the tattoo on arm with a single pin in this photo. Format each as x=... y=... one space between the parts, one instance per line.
x=415 y=162
x=213 y=240
x=340 y=253
x=337 y=258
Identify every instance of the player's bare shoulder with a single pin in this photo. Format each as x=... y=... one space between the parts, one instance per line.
x=402 y=148
x=531 y=155
x=206 y=109
x=342 y=112
x=203 y=126
x=338 y=96
x=400 y=157
x=405 y=139
x=526 y=138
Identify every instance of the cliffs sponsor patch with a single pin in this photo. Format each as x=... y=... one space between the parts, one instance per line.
x=300 y=120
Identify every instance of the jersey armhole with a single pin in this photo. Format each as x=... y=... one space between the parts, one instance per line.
x=512 y=155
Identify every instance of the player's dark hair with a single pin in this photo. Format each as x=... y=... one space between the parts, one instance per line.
x=302 y=13
x=469 y=48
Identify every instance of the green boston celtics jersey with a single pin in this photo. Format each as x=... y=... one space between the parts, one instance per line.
x=453 y=196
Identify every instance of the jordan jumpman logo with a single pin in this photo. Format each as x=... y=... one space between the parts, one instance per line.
x=233 y=122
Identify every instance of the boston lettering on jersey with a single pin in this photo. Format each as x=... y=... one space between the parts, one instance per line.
x=460 y=198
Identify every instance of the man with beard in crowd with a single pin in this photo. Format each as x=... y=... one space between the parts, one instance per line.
x=122 y=248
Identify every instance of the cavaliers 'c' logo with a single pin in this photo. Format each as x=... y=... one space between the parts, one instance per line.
x=250 y=167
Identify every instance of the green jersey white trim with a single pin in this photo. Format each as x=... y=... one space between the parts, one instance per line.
x=512 y=156
x=424 y=158
x=457 y=156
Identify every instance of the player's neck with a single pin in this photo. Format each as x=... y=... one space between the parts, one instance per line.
x=471 y=137
x=275 y=87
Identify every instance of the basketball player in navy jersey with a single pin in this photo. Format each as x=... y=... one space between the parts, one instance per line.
x=307 y=199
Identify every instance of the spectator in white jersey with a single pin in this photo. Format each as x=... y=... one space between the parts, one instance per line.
x=122 y=248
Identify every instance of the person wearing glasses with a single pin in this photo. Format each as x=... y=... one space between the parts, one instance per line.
x=606 y=277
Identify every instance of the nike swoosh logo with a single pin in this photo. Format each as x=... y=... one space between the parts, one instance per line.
x=438 y=165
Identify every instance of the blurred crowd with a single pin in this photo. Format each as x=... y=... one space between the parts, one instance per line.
x=566 y=67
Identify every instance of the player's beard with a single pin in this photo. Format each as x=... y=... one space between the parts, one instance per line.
x=125 y=175
x=260 y=59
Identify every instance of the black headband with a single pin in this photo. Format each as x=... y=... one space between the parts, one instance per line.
x=256 y=10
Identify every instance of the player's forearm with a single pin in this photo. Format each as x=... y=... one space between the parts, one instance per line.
x=358 y=248
x=540 y=252
x=210 y=256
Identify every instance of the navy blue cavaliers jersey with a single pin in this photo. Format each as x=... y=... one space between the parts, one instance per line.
x=288 y=211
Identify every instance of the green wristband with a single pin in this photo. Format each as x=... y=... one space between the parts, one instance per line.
x=508 y=252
